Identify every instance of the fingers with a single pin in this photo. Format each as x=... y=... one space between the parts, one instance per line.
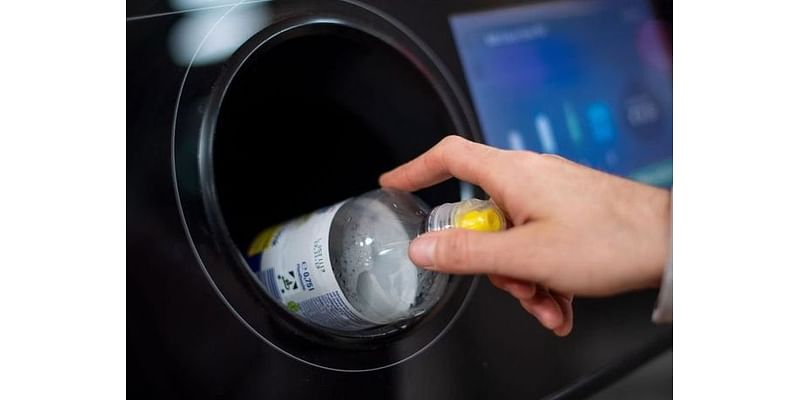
x=453 y=156
x=461 y=251
x=546 y=311
x=519 y=289
x=517 y=253
x=565 y=303
x=545 y=308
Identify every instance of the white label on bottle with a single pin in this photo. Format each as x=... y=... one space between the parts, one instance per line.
x=295 y=269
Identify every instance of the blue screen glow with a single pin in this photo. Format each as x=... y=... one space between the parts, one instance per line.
x=590 y=81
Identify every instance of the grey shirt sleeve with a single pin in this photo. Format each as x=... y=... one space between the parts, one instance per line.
x=663 y=311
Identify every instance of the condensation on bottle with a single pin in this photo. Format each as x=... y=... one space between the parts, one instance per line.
x=346 y=267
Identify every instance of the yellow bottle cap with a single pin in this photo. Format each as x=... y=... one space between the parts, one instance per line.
x=483 y=220
x=262 y=241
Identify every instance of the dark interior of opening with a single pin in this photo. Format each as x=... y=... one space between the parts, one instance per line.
x=315 y=119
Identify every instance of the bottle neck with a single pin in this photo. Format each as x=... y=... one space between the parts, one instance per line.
x=441 y=217
x=472 y=214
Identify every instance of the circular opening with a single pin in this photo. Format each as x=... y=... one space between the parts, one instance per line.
x=305 y=117
x=338 y=107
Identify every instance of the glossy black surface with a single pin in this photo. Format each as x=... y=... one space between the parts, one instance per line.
x=184 y=340
x=308 y=111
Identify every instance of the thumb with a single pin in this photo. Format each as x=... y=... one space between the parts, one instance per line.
x=461 y=251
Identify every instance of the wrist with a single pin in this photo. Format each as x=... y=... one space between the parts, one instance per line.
x=660 y=226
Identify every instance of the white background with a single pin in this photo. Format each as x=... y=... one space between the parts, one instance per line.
x=736 y=200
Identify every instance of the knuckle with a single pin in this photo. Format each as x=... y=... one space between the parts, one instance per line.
x=516 y=161
x=525 y=159
x=556 y=161
x=454 y=144
x=450 y=140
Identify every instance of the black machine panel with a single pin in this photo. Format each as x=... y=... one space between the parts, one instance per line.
x=217 y=89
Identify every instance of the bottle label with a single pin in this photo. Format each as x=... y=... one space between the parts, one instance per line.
x=292 y=263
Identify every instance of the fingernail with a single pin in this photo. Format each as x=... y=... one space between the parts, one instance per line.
x=421 y=251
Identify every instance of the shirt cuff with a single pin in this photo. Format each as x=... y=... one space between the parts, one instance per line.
x=663 y=311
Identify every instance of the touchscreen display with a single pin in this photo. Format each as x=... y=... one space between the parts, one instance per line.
x=587 y=80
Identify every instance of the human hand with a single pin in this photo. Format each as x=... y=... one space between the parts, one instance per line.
x=574 y=230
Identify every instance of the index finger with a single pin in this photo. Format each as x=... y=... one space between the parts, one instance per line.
x=453 y=156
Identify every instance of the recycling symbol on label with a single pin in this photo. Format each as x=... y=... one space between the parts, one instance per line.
x=287 y=282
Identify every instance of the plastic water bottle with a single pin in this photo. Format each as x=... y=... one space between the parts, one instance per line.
x=346 y=267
